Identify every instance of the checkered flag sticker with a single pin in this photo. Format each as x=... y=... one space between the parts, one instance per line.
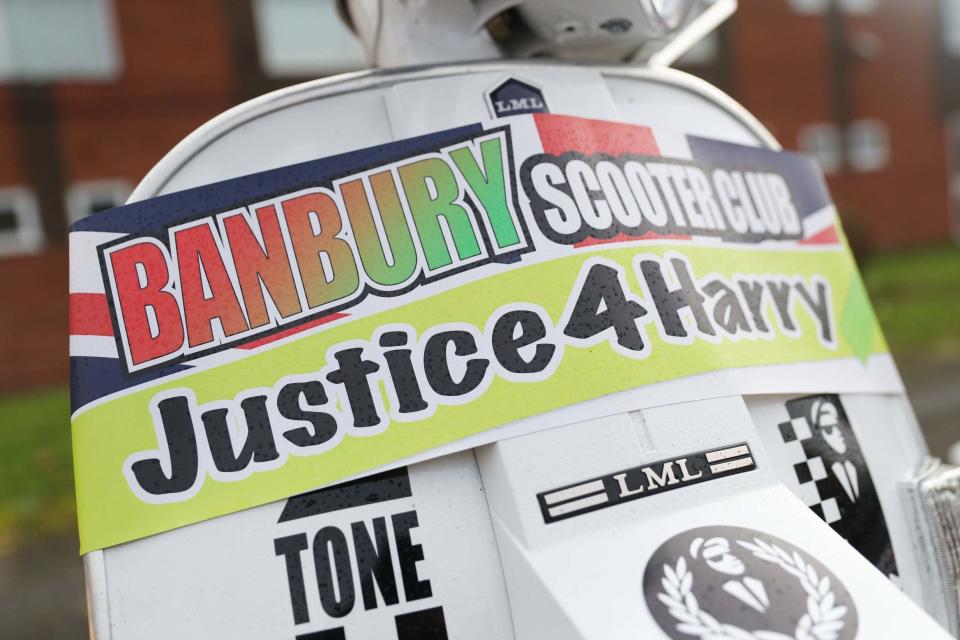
x=832 y=476
x=808 y=470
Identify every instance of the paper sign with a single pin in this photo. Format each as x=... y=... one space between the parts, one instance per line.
x=241 y=342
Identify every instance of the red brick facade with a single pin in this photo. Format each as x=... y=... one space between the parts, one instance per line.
x=781 y=71
x=178 y=70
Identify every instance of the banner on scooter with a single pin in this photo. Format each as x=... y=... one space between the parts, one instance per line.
x=241 y=342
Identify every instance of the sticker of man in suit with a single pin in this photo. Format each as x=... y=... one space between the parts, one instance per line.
x=717 y=554
x=846 y=498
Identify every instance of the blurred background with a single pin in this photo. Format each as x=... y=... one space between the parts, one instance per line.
x=94 y=92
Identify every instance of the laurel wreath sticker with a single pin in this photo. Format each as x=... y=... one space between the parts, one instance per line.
x=731 y=583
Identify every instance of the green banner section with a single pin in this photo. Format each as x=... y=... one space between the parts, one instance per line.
x=807 y=305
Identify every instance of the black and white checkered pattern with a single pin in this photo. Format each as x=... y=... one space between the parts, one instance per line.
x=808 y=470
x=833 y=478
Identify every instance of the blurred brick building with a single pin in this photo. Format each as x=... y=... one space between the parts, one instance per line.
x=869 y=87
x=94 y=92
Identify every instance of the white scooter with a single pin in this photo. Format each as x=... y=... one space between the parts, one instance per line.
x=785 y=500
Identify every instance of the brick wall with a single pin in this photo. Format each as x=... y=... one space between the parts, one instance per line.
x=178 y=72
x=33 y=347
x=783 y=73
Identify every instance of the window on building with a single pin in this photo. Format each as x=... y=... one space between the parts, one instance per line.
x=823 y=143
x=305 y=37
x=21 y=230
x=950 y=26
x=821 y=6
x=809 y=6
x=44 y=40
x=87 y=198
x=858 y=6
x=868 y=145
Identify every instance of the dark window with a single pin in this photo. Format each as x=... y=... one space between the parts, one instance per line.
x=9 y=221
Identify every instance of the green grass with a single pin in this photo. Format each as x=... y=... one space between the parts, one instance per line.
x=917 y=300
x=36 y=468
x=916 y=296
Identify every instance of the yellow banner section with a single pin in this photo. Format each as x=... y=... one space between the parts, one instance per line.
x=584 y=326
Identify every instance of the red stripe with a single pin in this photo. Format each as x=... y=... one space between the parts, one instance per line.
x=259 y=342
x=90 y=315
x=622 y=237
x=827 y=236
x=559 y=134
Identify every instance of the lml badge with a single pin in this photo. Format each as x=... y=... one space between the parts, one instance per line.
x=645 y=480
x=514 y=97
x=734 y=582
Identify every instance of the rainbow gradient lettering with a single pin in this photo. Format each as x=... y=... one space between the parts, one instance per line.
x=243 y=274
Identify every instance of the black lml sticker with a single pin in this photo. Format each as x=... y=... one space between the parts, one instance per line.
x=833 y=476
x=513 y=97
x=646 y=480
